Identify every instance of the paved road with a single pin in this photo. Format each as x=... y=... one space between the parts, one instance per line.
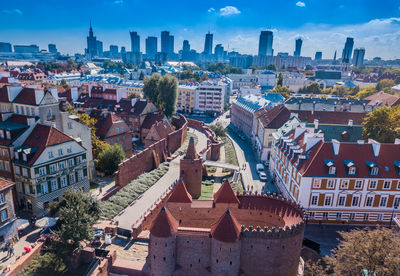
x=132 y=213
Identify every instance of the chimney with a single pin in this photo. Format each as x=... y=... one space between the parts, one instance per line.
x=336 y=146
x=316 y=123
x=350 y=123
x=376 y=146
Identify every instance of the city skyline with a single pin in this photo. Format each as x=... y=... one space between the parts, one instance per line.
x=377 y=31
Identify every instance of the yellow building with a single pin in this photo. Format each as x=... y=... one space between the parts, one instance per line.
x=186 y=98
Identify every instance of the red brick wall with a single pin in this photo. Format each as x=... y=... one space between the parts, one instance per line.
x=152 y=156
x=191 y=172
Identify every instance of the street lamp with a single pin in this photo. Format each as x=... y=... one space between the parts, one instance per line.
x=395 y=206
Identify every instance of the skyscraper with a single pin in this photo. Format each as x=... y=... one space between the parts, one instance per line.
x=358 y=56
x=318 y=55
x=348 y=49
x=99 y=46
x=165 y=42
x=52 y=48
x=185 y=46
x=208 y=43
x=123 y=50
x=171 y=44
x=297 y=51
x=135 y=42
x=114 y=49
x=265 y=43
x=151 y=46
x=219 y=52
x=5 y=47
x=91 y=43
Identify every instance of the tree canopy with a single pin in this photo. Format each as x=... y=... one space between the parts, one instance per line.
x=382 y=124
x=283 y=90
x=218 y=129
x=109 y=159
x=224 y=69
x=162 y=92
x=97 y=144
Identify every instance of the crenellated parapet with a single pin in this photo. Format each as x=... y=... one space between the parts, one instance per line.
x=266 y=232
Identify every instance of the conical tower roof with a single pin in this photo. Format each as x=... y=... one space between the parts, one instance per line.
x=225 y=194
x=180 y=194
x=165 y=225
x=191 y=150
x=226 y=229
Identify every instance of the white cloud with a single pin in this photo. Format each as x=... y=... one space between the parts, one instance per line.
x=13 y=11
x=211 y=10
x=229 y=10
x=300 y=4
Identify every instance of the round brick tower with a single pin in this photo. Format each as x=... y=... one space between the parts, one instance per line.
x=225 y=245
x=191 y=167
x=162 y=244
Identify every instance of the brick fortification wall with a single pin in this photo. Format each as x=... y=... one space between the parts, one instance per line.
x=213 y=145
x=151 y=157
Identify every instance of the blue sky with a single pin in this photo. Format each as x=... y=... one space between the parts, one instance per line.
x=323 y=24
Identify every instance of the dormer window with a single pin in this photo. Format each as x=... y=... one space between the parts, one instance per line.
x=330 y=164
x=373 y=167
x=374 y=171
x=24 y=157
x=397 y=165
x=350 y=166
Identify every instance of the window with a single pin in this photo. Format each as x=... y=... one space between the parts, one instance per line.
x=69 y=149
x=314 y=200
x=358 y=184
x=32 y=111
x=17 y=170
x=355 y=200
x=352 y=216
x=61 y=165
x=5 y=153
x=383 y=201
x=372 y=184
x=386 y=185
x=63 y=181
x=69 y=125
x=366 y=216
x=338 y=216
x=60 y=152
x=116 y=130
x=71 y=179
x=332 y=170
x=42 y=171
x=328 y=200
x=17 y=109
x=4 y=215
x=325 y=215
x=123 y=138
x=78 y=159
x=122 y=129
x=342 y=200
x=2 y=200
x=117 y=140
x=316 y=183
x=369 y=201
x=44 y=188
x=352 y=170
x=1 y=134
x=70 y=162
x=53 y=168
x=50 y=154
x=111 y=141
x=330 y=184
x=24 y=157
x=311 y=215
x=7 y=166
x=25 y=172
x=398 y=185
x=374 y=171
x=379 y=217
x=396 y=203
x=80 y=175
x=344 y=184
x=15 y=154
x=54 y=185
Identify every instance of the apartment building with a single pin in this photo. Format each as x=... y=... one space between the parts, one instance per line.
x=46 y=164
x=186 y=101
x=210 y=97
x=339 y=182
x=7 y=211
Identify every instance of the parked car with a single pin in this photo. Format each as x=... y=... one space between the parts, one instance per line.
x=260 y=168
x=266 y=164
x=263 y=176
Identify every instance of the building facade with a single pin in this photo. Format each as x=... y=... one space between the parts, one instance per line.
x=186 y=101
x=7 y=211
x=210 y=97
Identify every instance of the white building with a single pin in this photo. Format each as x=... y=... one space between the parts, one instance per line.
x=294 y=81
x=210 y=97
x=240 y=80
x=266 y=79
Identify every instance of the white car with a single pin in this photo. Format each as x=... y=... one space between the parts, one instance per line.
x=263 y=176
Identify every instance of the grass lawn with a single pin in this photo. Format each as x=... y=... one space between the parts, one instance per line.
x=230 y=153
x=185 y=144
x=207 y=191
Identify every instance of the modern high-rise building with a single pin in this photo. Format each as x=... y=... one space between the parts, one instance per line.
x=297 y=51
x=318 y=55
x=265 y=44
x=219 y=52
x=52 y=48
x=99 y=45
x=5 y=47
x=26 y=48
x=123 y=50
x=151 y=46
x=135 y=42
x=348 y=49
x=114 y=49
x=165 y=42
x=171 y=44
x=208 y=43
x=358 y=56
x=91 y=43
x=185 y=46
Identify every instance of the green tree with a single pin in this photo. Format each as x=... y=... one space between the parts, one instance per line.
x=367 y=91
x=340 y=90
x=218 y=129
x=70 y=109
x=97 y=144
x=397 y=80
x=271 y=67
x=313 y=88
x=385 y=83
x=109 y=159
x=383 y=124
x=46 y=264
x=150 y=88
x=283 y=90
x=280 y=80
x=366 y=252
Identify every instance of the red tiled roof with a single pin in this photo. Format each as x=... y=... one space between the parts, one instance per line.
x=151 y=119
x=162 y=128
x=66 y=94
x=381 y=98
x=5 y=184
x=273 y=118
x=191 y=150
x=43 y=136
x=4 y=94
x=165 y=225
x=225 y=194
x=26 y=96
x=226 y=229
x=330 y=117
x=18 y=118
x=180 y=194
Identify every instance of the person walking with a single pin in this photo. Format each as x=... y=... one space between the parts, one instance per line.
x=11 y=250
